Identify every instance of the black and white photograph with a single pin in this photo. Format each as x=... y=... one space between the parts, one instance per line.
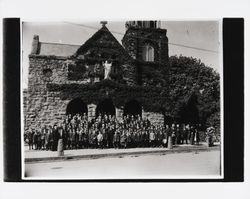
x=122 y=100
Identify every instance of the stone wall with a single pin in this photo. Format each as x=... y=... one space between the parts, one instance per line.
x=25 y=98
x=130 y=74
x=154 y=118
x=47 y=107
x=44 y=107
x=119 y=113
x=135 y=38
x=45 y=110
x=134 y=41
x=91 y=111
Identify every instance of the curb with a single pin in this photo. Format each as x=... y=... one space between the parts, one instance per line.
x=120 y=155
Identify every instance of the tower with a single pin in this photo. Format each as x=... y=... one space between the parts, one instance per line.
x=145 y=41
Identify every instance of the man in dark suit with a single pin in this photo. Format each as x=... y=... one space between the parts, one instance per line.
x=185 y=134
x=30 y=138
x=116 y=139
x=35 y=140
x=104 y=131
x=173 y=134
x=151 y=137
x=55 y=138
x=123 y=139
x=109 y=135
x=192 y=132
x=39 y=141
x=178 y=134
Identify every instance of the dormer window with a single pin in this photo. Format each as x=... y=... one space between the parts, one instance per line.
x=148 y=53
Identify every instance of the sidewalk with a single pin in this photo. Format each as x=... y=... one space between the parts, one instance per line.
x=33 y=156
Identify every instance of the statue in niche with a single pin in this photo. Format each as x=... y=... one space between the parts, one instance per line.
x=107 y=69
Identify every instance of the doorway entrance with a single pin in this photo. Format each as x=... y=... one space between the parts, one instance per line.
x=133 y=107
x=76 y=106
x=105 y=107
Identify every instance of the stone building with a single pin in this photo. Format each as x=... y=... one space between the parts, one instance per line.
x=100 y=76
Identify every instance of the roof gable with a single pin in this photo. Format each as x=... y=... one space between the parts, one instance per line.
x=102 y=46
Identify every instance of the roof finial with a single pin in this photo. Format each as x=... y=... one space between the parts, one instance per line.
x=103 y=23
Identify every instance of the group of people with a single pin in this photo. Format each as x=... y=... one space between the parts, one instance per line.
x=105 y=131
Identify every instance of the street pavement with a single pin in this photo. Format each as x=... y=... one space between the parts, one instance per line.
x=32 y=156
x=198 y=164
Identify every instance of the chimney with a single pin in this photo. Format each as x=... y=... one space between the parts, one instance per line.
x=35 y=45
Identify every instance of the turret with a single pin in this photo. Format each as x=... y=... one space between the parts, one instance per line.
x=35 y=45
x=146 y=41
x=143 y=24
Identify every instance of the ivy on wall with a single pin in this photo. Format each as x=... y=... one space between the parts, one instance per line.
x=91 y=68
x=153 y=99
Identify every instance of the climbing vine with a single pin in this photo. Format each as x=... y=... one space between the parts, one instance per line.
x=152 y=98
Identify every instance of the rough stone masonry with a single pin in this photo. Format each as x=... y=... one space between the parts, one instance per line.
x=50 y=64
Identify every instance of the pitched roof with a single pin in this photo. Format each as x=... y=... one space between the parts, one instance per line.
x=103 y=38
x=57 y=49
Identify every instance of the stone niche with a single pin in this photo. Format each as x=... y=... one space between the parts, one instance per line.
x=91 y=111
x=119 y=113
x=154 y=118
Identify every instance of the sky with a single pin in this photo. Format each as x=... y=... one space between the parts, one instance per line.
x=197 y=34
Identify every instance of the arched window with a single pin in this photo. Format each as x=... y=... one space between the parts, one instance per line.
x=148 y=53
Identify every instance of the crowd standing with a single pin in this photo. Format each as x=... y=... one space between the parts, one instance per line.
x=106 y=131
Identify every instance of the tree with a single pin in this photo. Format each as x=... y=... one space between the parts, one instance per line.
x=194 y=90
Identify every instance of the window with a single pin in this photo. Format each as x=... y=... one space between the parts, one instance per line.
x=47 y=72
x=148 y=53
x=76 y=71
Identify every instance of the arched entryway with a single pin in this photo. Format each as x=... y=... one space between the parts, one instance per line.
x=76 y=106
x=189 y=112
x=133 y=107
x=105 y=107
x=168 y=120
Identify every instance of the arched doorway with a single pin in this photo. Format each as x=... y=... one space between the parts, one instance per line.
x=168 y=120
x=76 y=106
x=105 y=107
x=133 y=107
x=189 y=112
